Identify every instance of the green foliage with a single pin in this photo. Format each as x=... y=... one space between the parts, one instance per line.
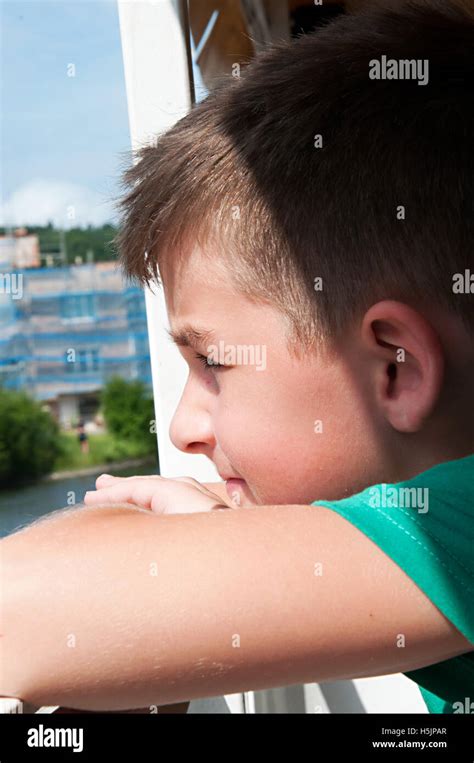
x=77 y=241
x=128 y=412
x=29 y=439
x=103 y=449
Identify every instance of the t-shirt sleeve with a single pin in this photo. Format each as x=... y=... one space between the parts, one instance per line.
x=426 y=526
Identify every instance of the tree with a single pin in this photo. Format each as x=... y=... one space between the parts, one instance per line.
x=29 y=439
x=128 y=411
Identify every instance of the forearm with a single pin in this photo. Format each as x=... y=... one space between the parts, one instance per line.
x=21 y=549
x=26 y=543
x=91 y=616
x=115 y=608
x=56 y=602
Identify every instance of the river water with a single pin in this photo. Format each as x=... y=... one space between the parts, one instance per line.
x=21 y=506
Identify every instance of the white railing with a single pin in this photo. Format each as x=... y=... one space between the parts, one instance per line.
x=10 y=705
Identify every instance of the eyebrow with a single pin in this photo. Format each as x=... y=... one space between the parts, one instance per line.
x=190 y=336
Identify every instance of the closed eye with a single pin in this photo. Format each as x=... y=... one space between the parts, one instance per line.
x=207 y=362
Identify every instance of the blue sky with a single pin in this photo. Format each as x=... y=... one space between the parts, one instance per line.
x=63 y=137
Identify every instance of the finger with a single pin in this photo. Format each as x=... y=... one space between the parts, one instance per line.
x=173 y=496
x=107 y=479
x=186 y=500
x=135 y=491
x=195 y=483
x=189 y=480
x=139 y=489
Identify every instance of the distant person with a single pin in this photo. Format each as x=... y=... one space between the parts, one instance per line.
x=82 y=437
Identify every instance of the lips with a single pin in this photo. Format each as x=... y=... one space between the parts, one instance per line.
x=226 y=477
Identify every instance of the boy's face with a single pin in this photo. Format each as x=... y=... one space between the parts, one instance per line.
x=292 y=430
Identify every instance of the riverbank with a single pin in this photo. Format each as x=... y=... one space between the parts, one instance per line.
x=107 y=468
x=21 y=505
x=105 y=451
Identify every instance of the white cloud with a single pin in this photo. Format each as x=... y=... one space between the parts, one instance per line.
x=67 y=205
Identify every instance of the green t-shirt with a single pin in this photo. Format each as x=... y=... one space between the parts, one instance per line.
x=426 y=525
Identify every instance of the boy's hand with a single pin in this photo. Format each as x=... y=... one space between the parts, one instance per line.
x=163 y=495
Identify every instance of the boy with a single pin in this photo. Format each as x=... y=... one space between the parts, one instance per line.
x=312 y=226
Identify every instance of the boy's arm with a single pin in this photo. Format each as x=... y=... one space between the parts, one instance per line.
x=115 y=607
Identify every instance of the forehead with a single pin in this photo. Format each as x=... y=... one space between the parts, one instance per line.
x=199 y=294
x=193 y=267
x=194 y=282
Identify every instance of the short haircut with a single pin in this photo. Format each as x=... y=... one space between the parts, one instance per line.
x=380 y=206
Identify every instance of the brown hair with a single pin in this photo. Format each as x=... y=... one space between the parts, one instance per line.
x=241 y=174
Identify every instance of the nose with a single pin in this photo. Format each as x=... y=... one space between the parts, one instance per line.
x=191 y=426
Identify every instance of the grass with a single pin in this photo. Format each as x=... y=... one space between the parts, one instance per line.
x=103 y=449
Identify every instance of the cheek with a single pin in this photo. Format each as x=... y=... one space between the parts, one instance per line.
x=296 y=437
x=297 y=445
x=265 y=438
x=249 y=430
x=323 y=445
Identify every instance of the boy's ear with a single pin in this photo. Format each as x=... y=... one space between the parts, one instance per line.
x=407 y=360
